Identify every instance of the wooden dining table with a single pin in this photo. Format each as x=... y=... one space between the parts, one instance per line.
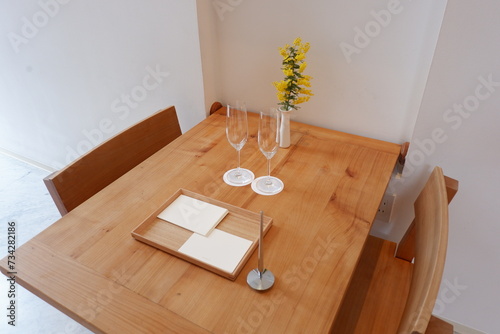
x=89 y=266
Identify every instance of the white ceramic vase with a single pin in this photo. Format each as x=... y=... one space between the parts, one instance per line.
x=285 y=128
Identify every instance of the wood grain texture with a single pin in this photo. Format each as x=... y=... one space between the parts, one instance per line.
x=96 y=169
x=431 y=242
x=439 y=326
x=378 y=291
x=333 y=185
x=214 y=107
x=169 y=237
x=391 y=295
x=96 y=301
x=406 y=247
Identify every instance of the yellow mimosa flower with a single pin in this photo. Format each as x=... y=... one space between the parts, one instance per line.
x=291 y=90
x=303 y=82
x=282 y=85
x=283 y=52
x=300 y=56
x=305 y=91
x=305 y=47
x=302 y=67
x=302 y=99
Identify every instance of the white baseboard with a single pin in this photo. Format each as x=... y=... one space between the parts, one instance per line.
x=27 y=160
x=461 y=329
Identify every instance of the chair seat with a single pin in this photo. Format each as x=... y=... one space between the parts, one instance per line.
x=392 y=295
x=375 y=300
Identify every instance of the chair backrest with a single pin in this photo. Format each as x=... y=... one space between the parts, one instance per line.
x=431 y=239
x=406 y=247
x=77 y=182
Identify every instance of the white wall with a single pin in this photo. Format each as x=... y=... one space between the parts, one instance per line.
x=59 y=89
x=76 y=72
x=457 y=129
x=371 y=88
x=209 y=42
x=380 y=93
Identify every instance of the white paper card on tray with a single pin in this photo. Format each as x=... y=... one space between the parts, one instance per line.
x=219 y=249
x=194 y=215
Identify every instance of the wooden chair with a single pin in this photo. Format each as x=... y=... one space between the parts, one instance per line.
x=215 y=106
x=389 y=294
x=77 y=182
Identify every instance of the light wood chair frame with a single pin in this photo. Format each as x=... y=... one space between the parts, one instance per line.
x=83 y=178
x=404 y=283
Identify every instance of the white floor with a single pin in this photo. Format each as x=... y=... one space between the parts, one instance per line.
x=25 y=200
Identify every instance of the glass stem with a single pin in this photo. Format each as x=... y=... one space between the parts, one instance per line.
x=238 y=169
x=268 y=172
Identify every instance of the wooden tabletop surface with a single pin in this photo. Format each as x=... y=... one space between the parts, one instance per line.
x=89 y=266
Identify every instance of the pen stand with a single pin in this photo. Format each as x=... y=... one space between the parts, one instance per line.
x=260 y=279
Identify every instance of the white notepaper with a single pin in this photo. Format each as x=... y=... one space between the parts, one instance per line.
x=219 y=249
x=194 y=215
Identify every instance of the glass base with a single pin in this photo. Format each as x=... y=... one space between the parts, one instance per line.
x=238 y=177
x=267 y=185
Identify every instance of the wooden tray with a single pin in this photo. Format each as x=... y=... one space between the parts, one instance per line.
x=169 y=237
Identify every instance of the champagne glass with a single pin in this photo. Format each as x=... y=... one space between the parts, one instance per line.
x=237 y=135
x=268 y=138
